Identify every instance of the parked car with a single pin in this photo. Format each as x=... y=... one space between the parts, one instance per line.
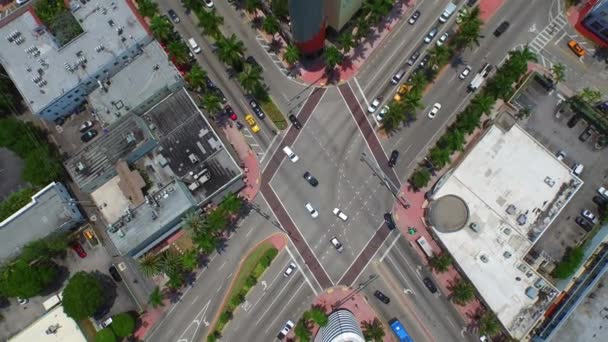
x=230 y=112
x=77 y=247
x=413 y=58
x=397 y=77
x=251 y=60
x=220 y=94
x=88 y=136
x=585 y=135
x=251 y=122
x=429 y=285
x=337 y=245
x=382 y=297
x=314 y=213
x=576 y=48
x=465 y=72
x=209 y=83
x=442 y=39
x=414 y=17
x=311 y=179
x=588 y=215
x=340 y=214
x=390 y=223
x=434 y=110
x=603 y=192
x=586 y=225
x=289 y=270
x=382 y=113
x=373 y=106
x=106 y=323
x=432 y=33
x=257 y=109
x=22 y=301
x=296 y=123
x=424 y=60
x=173 y=16
x=286 y=329
x=561 y=155
x=86 y=126
x=114 y=273
x=393 y=158
x=208 y=3
x=600 y=201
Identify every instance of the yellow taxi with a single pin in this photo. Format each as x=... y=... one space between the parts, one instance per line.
x=251 y=122
x=576 y=48
x=403 y=89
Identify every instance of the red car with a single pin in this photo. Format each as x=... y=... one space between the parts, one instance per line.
x=78 y=249
x=228 y=110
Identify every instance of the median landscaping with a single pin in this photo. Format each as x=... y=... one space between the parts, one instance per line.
x=274 y=113
x=250 y=271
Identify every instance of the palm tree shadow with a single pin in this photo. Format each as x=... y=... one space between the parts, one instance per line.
x=372 y=37
x=174 y=296
x=457 y=61
x=256 y=23
x=359 y=51
x=275 y=46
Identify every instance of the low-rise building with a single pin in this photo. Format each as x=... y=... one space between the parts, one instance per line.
x=52 y=209
x=54 y=326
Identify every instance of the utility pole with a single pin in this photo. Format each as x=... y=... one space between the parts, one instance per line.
x=394 y=190
x=355 y=291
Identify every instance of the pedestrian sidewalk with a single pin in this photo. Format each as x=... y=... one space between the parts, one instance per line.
x=576 y=14
x=357 y=305
x=249 y=161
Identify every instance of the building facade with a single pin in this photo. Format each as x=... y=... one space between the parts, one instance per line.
x=339 y=12
x=596 y=20
x=341 y=327
x=308 y=24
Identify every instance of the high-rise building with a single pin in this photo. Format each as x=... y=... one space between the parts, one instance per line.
x=339 y=12
x=308 y=25
x=342 y=326
x=596 y=20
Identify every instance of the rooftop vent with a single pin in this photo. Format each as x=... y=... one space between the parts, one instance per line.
x=119 y=30
x=474 y=227
x=19 y=40
x=511 y=209
x=99 y=48
x=130 y=137
x=484 y=258
x=193 y=158
x=522 y=219
x=507 y=254
x=550 y=182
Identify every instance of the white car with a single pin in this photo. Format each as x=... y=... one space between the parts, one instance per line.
x=465 y=72
x=21 y=2
x=106 y=323
x=312 y=210
x=602 y=191
x=22 y=301
x=383 y=111
x=340 y=214
x=334 y=241
x=290 y=154
x=434 y=110
x=373 y=106
x=208 y=3
x=442 y=39
x=588 y=215
x=289 y=270
x=286 y=329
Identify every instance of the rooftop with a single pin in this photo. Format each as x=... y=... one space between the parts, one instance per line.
x=143 y=83
x=513 y=188
x=189 y=145
x=34 y=51
x=95 y=164
x=137 y=230
x=48 y=212
x=54 y=326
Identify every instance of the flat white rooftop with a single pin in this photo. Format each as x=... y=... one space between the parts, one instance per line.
x=513 y=188
x=66 y=329
x=99 y=21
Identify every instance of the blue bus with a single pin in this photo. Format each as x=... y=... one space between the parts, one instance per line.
x=399 y=330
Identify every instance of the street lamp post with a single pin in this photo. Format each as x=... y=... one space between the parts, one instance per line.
x=394 y=190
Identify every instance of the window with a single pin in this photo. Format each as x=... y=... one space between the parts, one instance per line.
x=116 y=63
x=96 y=77
x=124 y=57
x=70 y=96
x=77 y=91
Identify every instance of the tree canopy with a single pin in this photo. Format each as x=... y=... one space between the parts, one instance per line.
x=123 y=324
x=83 y=296
x=20 y=279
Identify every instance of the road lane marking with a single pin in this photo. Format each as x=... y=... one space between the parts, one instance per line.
x=361 y=91
x=284 y=307
x=389 y=247
x=363 y=249
x=560 y=38
x=399 y=271
x=274 y=300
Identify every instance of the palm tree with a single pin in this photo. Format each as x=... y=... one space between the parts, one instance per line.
x=440 y=262
x=205 y=241
x=291 y=55
x=453 y=140
x=363 y=27
x=462 y=292
x=302 y=331
x=332 y=57
x=501 y=86
x=231 y=50
x=190 y=260
x=196 y=77
x=170 y=262
x=440 y=55
x=418 y=81
x=215 y=221
x=210 y=22
x=488 y=324
x=251 y=6
x=394 y=117
x=467 y=35
x=232 y=203
x=317 y=315
x=161 y=28
x=440 y=157
x=412 y=100
x=482 y=104
x=250 y=77
x=271 y=25
x=559 y=72
x=147 y=8
x=280 y=8
x=346 y=41
x=471 y=18
x=156 y=298
x=149 y=265
x=178 y=51
x=373 y=330
x=193 y=222
x=420 y=178
x=211 y=103
x=589 y=95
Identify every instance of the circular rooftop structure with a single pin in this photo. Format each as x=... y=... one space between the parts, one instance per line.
x=448 y=214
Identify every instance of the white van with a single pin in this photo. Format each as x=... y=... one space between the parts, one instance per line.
x=292 y=156
x=195 y=48
x=577 y=169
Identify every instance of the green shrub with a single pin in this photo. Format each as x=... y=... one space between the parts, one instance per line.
x=16 y=201
x=251 y=281
x=226 y=316
x=123 y=324
x=569 y=263
x=105 y=335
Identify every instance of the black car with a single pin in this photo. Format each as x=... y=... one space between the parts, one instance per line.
x=600 y=201
x=585 y=135
x=390 y=223
x=253 y=62
x=209 y=83
x=429 y=285
x=586 y=225
x=296 y=123
x=382 y=297
x=220 y=94
x=393 y=159
x=413 y=58
x=88 y=136
x=257 y=109
x=414 y=18
x=573 y=121
x=502 y=28
x=310 y=178
x=114 y=273
x=424 y=60
x=173 y=16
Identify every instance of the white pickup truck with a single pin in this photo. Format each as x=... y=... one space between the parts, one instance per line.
x=447 y=12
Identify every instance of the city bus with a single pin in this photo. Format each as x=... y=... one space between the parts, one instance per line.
x=399 y=331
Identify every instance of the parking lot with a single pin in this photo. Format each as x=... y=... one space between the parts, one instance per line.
x=550 y=127
x=67 y=135
x=330 y=148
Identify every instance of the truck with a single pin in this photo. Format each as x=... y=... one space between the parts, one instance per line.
x=447 y=12
x=480 y=77
x=424 y=245
x=399 y=330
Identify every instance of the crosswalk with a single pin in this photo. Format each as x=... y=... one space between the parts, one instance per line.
x=545 y=36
